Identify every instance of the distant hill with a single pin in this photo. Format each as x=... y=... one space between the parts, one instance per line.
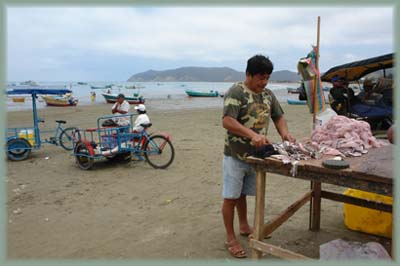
x=206 y=74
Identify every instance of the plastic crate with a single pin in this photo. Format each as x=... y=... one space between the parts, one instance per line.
x=368 y=220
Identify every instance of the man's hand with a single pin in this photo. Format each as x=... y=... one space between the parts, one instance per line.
x=289 y=138
x=259 y=140
x=115 y=109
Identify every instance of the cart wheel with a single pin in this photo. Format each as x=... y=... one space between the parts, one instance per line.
x=82 y=156
x=159 y=152
x=18 y=149
x=68 y=137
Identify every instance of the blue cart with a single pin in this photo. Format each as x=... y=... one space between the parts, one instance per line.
x=21 y=141
x=122 y=143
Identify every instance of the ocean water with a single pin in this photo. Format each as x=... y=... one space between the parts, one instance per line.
x=159 y=95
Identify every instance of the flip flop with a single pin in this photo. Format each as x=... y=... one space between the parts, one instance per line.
x=235 y=249
x=249 y=235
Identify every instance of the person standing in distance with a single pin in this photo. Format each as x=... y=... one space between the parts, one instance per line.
x=248 y=107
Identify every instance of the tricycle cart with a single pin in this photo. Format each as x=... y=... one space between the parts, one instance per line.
x=21 y=141
x=121 y=142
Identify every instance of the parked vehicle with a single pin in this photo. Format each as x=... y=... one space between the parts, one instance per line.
x=122 y=143
x=378 y=114
x=21 y=141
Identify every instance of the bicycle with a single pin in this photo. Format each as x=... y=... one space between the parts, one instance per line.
x=120 y=142
x=62 y=136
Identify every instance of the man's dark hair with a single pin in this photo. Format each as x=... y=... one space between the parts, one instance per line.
x=259 y=64
x=121 y=96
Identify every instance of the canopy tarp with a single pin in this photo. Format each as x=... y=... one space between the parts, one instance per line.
x=356 y=70
x=37 y=91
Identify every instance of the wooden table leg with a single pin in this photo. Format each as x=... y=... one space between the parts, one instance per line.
x=315 y=211
x=259 y=211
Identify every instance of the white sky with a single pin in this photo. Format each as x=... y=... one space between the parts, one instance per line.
x=94 y=43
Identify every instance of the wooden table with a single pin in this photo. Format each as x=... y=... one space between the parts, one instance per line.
x=372 y=172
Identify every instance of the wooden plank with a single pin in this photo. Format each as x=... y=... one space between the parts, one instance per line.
x=356 y=201
x=316 y=206
x=275 y=251
x=286 y=214
x=313 y=170
x=259 y=210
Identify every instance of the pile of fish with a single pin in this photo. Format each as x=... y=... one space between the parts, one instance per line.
x=344 y=137
x=340 y=136
x=289 y=152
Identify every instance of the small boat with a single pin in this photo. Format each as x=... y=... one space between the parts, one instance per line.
x=112 y=98
x=211 y=93
x=29 y=83
x=98 y=87
x=131 y=87
x=60 y=100
x=82 y=83
x=296 y=102
x=293 y=90
x=18 y=99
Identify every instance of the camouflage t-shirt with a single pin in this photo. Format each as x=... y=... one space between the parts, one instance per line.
x=253 y=110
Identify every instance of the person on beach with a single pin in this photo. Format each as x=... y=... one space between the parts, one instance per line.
x=142 y=118
x=340 y=95
x=248 y=107
x=121 y=107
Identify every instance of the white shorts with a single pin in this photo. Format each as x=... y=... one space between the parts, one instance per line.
x=239 y=178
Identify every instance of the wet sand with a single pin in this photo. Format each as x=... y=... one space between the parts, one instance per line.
x=132 y=211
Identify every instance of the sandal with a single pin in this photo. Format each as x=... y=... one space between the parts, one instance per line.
x=250 y=234
x=235 y=249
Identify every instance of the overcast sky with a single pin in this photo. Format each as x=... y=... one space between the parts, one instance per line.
x=104 y=43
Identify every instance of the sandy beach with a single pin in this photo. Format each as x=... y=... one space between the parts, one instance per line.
x=132 y=211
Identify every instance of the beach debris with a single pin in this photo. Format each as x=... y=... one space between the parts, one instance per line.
x=46 y=219
x=17 y=211
x=346 y=137
x=17 y=190
x=46 y=158
x=341 y=249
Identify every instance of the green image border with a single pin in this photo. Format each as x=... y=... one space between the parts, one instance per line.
x=87 y=3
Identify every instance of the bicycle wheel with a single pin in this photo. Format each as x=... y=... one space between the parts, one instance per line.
x=82 y=156
x=68 y=136
x=159 y=152
x=18 y=149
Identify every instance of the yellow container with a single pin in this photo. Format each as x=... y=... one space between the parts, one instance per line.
x=368 y=220
x=27 y=134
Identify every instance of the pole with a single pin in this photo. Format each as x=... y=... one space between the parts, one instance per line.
x=316 y=77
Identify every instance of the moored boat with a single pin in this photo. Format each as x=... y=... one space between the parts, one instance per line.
x=112 y=98
x=18 y=99
x=293 y=90
x=98 y=87
x=296 y=102
x=60 y=100
x=210 y=93
x=82 y=83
